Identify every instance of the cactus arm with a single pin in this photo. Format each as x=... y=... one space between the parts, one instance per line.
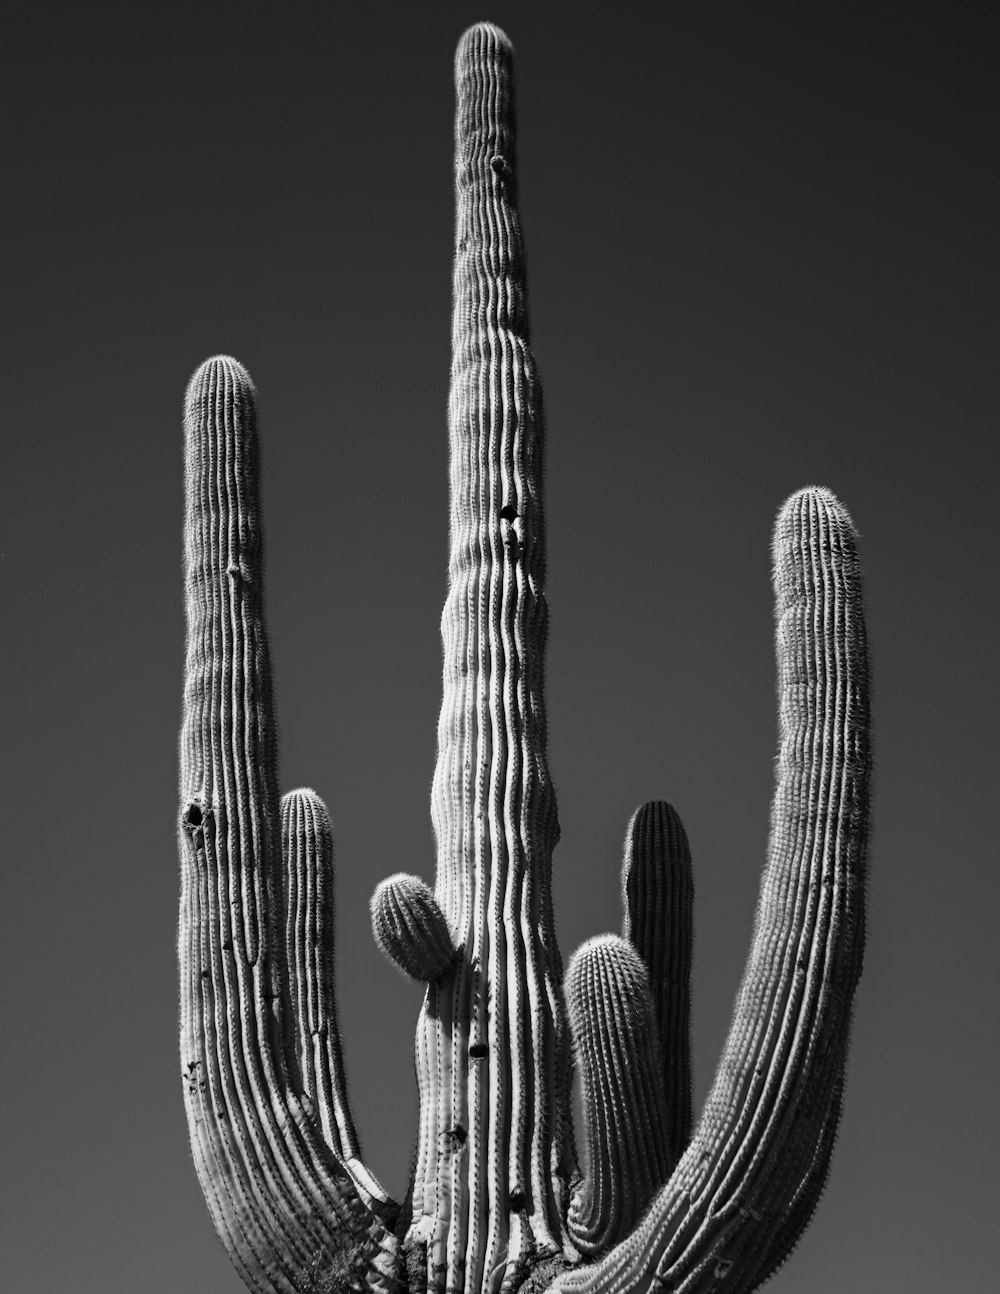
x=277 y=1193
x=628 y=1001
x=409 y=927
x=612 y=1019
x=658 y=918
x=782 y=1062
x=491 y=1181
x=307 y=851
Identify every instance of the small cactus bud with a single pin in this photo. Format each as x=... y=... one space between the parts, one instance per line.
x=409 y=927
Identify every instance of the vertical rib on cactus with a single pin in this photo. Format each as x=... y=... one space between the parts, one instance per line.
x=492 y=1049
x=615 y=1043
x=777 y=1082
x=277 y=1193
x=658 y=918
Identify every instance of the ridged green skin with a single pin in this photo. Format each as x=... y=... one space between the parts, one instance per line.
x=496 y=1197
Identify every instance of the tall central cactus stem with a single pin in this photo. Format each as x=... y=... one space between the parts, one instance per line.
x=492 y=1044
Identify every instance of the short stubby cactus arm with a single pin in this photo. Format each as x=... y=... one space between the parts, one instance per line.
x=658 y=920
x=410 y=929
x=278 y=1193
x=625 y=1125
x=494 y=1151
x=757 y=1158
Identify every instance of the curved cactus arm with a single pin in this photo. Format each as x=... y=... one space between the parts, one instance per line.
x=278 y=1195
x=658 y=919
x=409 y=927
x=782 y=1061
x=611 y=1017
x=307 y=851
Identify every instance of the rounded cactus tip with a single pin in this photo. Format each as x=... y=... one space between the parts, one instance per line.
x=810 y=500
x=302 y=795
x=217 y=367
x=658 y=811
x=410 y=928
x=608 y=959
x=598 y=949
x=480 y=34
x=818 y=496
x=304 y=803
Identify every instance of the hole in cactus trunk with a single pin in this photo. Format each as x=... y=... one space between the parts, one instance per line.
x=508 y=512
x=517 y=1201
x=478 y=1050
x=192 y=818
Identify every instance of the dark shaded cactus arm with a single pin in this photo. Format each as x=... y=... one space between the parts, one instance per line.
x=778 y=1080
x=629 y=1010
x=658 y=919
x=278 y=1193
x=410 y=928
x=617 y=1051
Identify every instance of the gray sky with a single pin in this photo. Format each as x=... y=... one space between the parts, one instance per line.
x=761 y=250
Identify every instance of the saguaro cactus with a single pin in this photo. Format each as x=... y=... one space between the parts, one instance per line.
x=497 y=1201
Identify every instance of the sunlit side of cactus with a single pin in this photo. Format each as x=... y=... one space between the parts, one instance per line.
x=497 y=1201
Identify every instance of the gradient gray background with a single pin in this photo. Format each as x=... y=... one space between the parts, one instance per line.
x=761 y=250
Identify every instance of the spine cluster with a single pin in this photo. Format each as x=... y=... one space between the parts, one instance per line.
x=410 y=928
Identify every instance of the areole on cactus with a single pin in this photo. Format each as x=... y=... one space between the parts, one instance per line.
x=497 y=1201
